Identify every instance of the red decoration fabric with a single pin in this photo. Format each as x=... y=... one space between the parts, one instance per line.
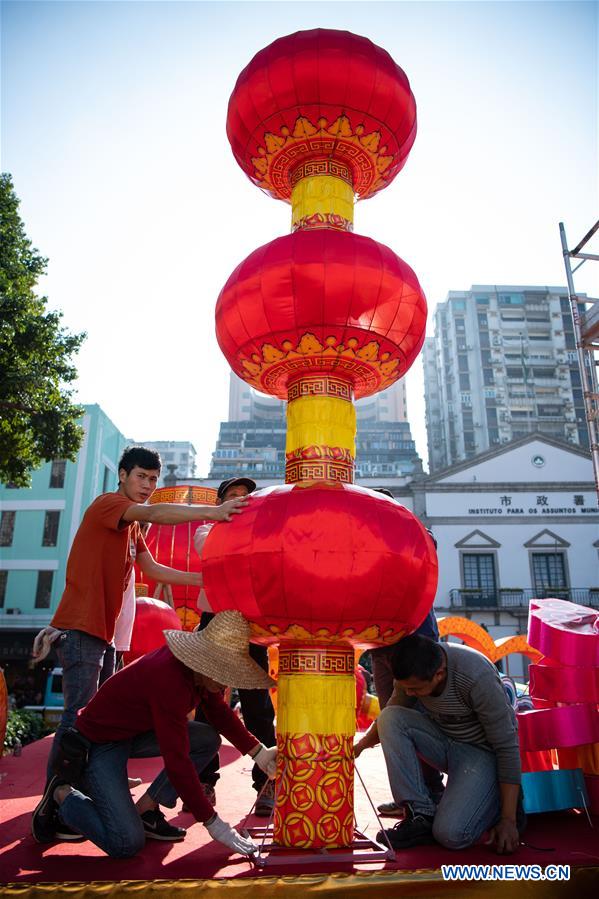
x=323 y=564
x=152 y=618
x=321 y=95
x=323 y=301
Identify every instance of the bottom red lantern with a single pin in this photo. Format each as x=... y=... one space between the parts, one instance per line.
x=152 y=617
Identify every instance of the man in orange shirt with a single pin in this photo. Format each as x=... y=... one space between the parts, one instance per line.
x=99 y=567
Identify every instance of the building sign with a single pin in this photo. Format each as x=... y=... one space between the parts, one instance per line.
x=512 y=504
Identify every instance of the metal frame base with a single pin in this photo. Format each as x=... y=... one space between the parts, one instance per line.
x=363 y=850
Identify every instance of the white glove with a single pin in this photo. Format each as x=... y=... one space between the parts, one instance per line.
x=229 y=837
x=266 y=759
x=43 y=642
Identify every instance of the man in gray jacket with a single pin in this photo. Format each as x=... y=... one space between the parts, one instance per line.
x=462 y=724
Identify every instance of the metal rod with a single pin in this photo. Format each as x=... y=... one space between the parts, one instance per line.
x=585 y=239
x=587 y=371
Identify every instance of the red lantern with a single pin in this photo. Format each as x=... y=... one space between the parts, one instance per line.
x=172 y=545
x=339 y=564
x=321 y=102
x=152 y=618
x=321 y=301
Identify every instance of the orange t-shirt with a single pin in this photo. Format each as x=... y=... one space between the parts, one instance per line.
x=98 y=568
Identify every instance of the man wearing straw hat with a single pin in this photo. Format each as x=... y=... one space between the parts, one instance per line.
x=140 y=712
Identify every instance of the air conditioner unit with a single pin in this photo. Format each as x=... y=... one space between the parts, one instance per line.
x=13 y=611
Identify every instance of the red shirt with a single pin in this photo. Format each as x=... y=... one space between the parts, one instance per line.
x=157 y=692
x=99 y=567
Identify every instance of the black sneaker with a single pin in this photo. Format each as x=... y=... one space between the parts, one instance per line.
x=392 y=809
x=157 y=827
x=266 y=800
x=414 y=830
x=66 y=833
x=45 y=820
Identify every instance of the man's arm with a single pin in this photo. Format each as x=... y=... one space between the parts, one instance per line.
x=165 y=575
x=504 y=837
x=371 y=737
x=173 y=513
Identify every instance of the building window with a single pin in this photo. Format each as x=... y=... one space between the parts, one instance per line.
x=44 y=589
x=51 y=522
x=549 y=572
x=479 y=575
x=57 y=473
x=3 y=582
x=7 y=528
x=106 y=479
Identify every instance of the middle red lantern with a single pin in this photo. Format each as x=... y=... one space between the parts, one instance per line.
x=321 y=301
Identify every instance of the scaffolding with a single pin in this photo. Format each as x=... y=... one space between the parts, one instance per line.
x=586 y=334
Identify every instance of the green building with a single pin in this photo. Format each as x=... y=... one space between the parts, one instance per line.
x=37 y=527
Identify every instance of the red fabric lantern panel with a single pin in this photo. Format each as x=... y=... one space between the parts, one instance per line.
x=321 y=95
x=321 y=301
x=172 y=545
x=152 y=618
x=323 y=564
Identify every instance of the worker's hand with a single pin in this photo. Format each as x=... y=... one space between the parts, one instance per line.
x=266 y=759
x=358 y=749
x=504 y=837
x=43 y=641
x=231 y=507
x=229 y=837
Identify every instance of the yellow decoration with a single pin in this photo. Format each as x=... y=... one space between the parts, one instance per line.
x=316 y=704
x=321 y=420
x=322 y=194
x=478 y=638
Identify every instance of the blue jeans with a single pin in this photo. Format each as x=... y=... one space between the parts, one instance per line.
x=103 y=809
x=86 y=663
x=471 y=801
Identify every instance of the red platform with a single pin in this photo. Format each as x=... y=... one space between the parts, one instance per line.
x=198 y=864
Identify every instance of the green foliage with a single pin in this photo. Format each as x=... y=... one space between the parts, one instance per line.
x=38 y=420
x=23 y=727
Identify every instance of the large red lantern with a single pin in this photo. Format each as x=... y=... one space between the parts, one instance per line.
x=319 y=118
x=319 y=301
x=335 y=564
x=321 y=102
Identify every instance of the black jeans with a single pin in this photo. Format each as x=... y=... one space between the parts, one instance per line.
x=258 y=716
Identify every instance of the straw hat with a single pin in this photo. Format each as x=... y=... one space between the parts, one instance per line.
x=220 y=651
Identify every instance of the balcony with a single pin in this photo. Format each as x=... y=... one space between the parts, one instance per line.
x=509 y=598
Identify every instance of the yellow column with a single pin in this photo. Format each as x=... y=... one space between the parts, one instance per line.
x=315 y=727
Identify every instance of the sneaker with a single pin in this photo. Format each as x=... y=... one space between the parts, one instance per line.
x=392 y=809
x=44 y=820
x=157 y=827
x=414 y=830
x=266 y=800
x=66 y=833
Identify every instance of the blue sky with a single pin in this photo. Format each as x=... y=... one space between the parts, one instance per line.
x=113 y=127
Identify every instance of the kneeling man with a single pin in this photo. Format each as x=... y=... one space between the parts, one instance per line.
x=141 y=712
x=462 y=724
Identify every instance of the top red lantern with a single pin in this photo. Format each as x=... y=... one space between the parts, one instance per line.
x=321 y=102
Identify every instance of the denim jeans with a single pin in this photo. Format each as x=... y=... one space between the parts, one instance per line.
x=471 y=801
x=103 y=810
x=86 y=662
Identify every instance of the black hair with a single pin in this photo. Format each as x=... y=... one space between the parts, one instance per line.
x=416 y=656
x=140 y=456
x=384 y=490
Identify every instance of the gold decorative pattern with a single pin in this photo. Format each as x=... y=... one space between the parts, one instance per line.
x=314 y=167
x=351 y=148
x=370 y=366
x=184 y=495
x=316 y=660
x=369 y=636
x=320 y=385
x=323 y=470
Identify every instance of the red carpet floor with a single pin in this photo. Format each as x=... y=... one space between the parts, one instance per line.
x=564 y=838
